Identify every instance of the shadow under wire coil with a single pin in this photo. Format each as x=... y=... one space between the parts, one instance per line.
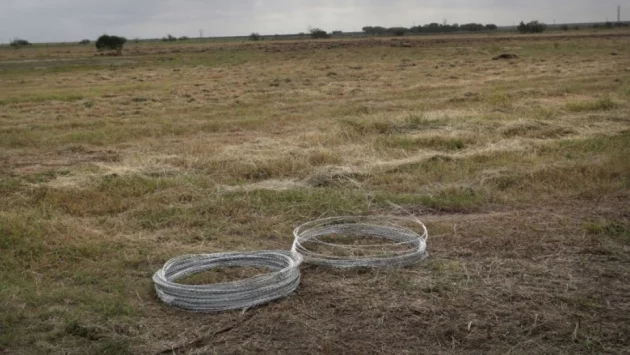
x=283 y=279
x=403 y=247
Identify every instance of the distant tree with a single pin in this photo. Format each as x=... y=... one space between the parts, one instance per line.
x=378 y=30
x=85 y=41
x=169 y=38
x=531 y=27
x=254 y=36
x=105 y=42
x=565 y=27
x=397 y=31
x=491 y=27
x=183 y=38
x=433 y=27
x=608 y=24
x=319 y=33
x=472 y=27
x=18 y=43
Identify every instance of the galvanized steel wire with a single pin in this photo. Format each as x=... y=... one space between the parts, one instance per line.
x=376 y=242
x=283 y=279
x=403 y=246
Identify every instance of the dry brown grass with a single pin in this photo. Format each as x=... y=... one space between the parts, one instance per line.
x=109 y=166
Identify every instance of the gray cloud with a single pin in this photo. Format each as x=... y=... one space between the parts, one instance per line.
x=71 y=20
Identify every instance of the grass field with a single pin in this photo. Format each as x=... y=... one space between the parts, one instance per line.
x=109 y=166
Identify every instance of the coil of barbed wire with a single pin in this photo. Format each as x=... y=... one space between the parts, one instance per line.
x=366 y=241
x=283 y=279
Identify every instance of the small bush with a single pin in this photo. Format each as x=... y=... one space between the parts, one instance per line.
x=105 y=42
x=85 y=41
x=183 y=38
x=565 y=27
x=254 y=36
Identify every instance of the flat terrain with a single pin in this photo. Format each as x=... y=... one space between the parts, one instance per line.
x=111 y=165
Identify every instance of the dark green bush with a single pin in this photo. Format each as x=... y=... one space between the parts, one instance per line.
x=17 y=43
x=105 y=42
x=254 y=36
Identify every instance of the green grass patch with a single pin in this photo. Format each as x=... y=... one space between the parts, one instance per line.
x=614 y=230
x=448 y=200
x=604 y=103
x=41 y=98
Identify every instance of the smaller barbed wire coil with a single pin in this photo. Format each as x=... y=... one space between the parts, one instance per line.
x=283 y=279
x=404 y=245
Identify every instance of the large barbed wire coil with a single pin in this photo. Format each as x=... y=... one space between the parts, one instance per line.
x=367 y=241
x=283 y=279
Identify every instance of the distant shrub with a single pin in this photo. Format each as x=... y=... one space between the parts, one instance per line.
x=105 y=42
x=532 y=27
x=85 y=41
x=183 y=38
x=565 y=27
x=17 y=43
x=491 y=27
x=319 y=33
x=255 y=36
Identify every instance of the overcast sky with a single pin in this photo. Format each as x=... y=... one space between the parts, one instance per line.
x=72 y=20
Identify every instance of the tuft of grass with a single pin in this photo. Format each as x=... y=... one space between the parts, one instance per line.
x=36 y=98
x=447 y=200
x=614 y=230
x=82 y=331
x=430 y=142
x=113 y=347
x=455 y=200
x=323 y=157
x=370 y=126
x=604 y=103
x=537 y=130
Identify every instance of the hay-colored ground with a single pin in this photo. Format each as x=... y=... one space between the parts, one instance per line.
x=109 y=166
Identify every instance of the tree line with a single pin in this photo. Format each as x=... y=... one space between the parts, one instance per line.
x=429 y=28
